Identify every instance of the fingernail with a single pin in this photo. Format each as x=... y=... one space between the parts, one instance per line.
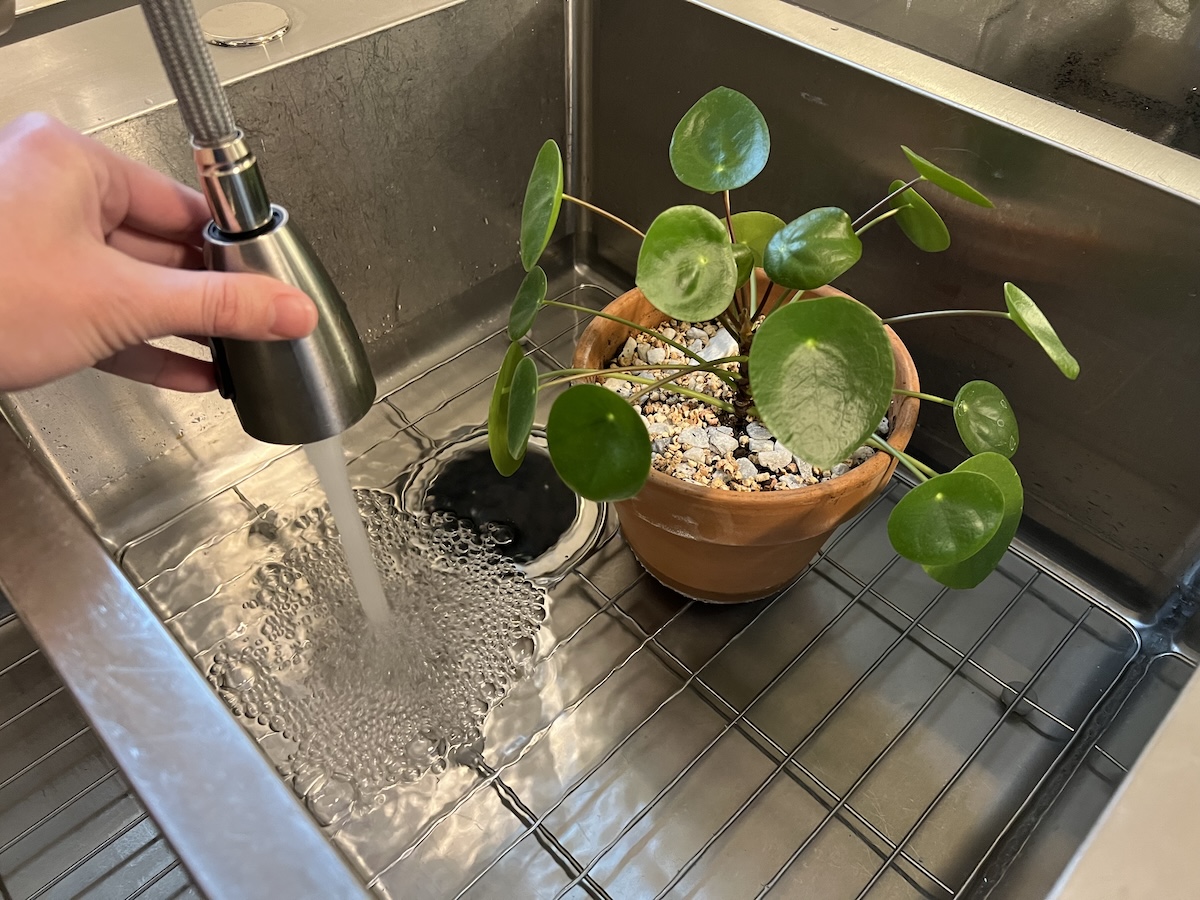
x=295 y=316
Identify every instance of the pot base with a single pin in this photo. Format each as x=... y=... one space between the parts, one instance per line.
x=716 y=573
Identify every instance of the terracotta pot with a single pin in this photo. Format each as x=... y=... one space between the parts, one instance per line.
x=735 y=546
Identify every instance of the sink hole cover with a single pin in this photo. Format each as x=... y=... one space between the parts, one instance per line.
x=531 y=516
x=246 y=24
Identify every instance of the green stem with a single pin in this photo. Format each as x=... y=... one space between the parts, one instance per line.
x=605 y=213
x=896 y=193
x=919 y=469
x=878 y=219
x=565 y=376
x=939 y=313
x=686 y=392
x=636 y=327
x=729 y=219
x=930 y=397
x=637 y=395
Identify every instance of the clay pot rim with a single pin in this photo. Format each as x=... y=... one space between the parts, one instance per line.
x=902 y=415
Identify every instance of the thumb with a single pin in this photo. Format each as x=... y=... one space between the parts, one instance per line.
x=218 y=304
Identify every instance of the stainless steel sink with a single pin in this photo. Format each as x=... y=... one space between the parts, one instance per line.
x=861 y=735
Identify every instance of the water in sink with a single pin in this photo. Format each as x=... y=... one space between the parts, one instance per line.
x=355 y=705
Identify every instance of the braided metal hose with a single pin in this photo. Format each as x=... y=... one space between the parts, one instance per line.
x=202 y=102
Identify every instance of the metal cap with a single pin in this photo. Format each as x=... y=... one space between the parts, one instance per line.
x=291 y=392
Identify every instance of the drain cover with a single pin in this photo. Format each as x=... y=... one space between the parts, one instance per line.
x=534 y=518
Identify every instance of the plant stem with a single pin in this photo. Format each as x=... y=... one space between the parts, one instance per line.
x=637 y=395
x=897 y=192
x=880 y=218
x=930 y=397
x=919 y=469
x=784 y=298
x=563 y=376
x=686 y=392
x=729 y=219
x=747 y=325
x=605 y=213
x=939 y=313
x=636 y=327
x=729 y=320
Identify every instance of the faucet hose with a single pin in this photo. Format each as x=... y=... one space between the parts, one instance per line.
x=202 y=102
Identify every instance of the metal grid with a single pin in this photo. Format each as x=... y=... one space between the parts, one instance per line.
x=863 y=734
x=69 y=826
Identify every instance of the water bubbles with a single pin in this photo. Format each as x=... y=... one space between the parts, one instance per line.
x=364 y=709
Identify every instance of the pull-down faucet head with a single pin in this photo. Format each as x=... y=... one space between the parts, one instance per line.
x=285 y=392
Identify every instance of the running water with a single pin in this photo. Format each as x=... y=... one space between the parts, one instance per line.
x=327 y=458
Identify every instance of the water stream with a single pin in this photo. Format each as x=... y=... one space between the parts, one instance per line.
x=328 y=459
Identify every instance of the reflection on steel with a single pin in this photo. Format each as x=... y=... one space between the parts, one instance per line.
x=240 y=829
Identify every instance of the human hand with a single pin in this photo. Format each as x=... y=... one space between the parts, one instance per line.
x=97 y=254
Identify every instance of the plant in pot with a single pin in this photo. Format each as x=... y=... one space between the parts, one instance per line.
x=737 y=408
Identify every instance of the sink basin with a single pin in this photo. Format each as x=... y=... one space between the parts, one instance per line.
x=864 y=733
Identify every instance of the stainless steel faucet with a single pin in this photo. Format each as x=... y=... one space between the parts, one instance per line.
x=286 y=392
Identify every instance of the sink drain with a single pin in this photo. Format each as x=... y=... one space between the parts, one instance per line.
x=531 y=516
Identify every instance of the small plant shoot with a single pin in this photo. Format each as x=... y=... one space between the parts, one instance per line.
x=817 y=371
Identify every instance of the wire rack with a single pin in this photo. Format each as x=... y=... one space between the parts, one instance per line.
x=69 y=826
x=864 y=734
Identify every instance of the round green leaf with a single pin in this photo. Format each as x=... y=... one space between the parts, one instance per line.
x=743 y=258
x=598 y=443
x=543 y=198
x=506 y=463
x=947 y=519
x=985 y=419
x=822 y=373
x=972 y=570
x=1035 y=324
x=755 y=229
x=946 y=181
x=919 y=221
x=812 y=250
x=721 y=143
x=527 y=303
x=686 y=267
x=522 y=403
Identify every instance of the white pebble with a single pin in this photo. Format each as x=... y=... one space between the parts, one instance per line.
x=655 y=356
x=839 y=469
x=694 y=437
x=697 y=334
x=658 y=429
x=862 y=454
x=721 y=344
x=746 y=469
x=792 y=482
x=805 y=471
x=775 y=460
x=884 y=427
x=698 y=455
x=683 y=470
x=721 y=442
x=669 y=333
x=758 y=432
x=759 y=445
x=696 y=346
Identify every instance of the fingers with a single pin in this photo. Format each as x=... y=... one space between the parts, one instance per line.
x=161 y=368
x=156 y=250
x=213 y=304
x=141 y=198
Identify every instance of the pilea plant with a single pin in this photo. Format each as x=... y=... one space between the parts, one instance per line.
x=817 y=372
